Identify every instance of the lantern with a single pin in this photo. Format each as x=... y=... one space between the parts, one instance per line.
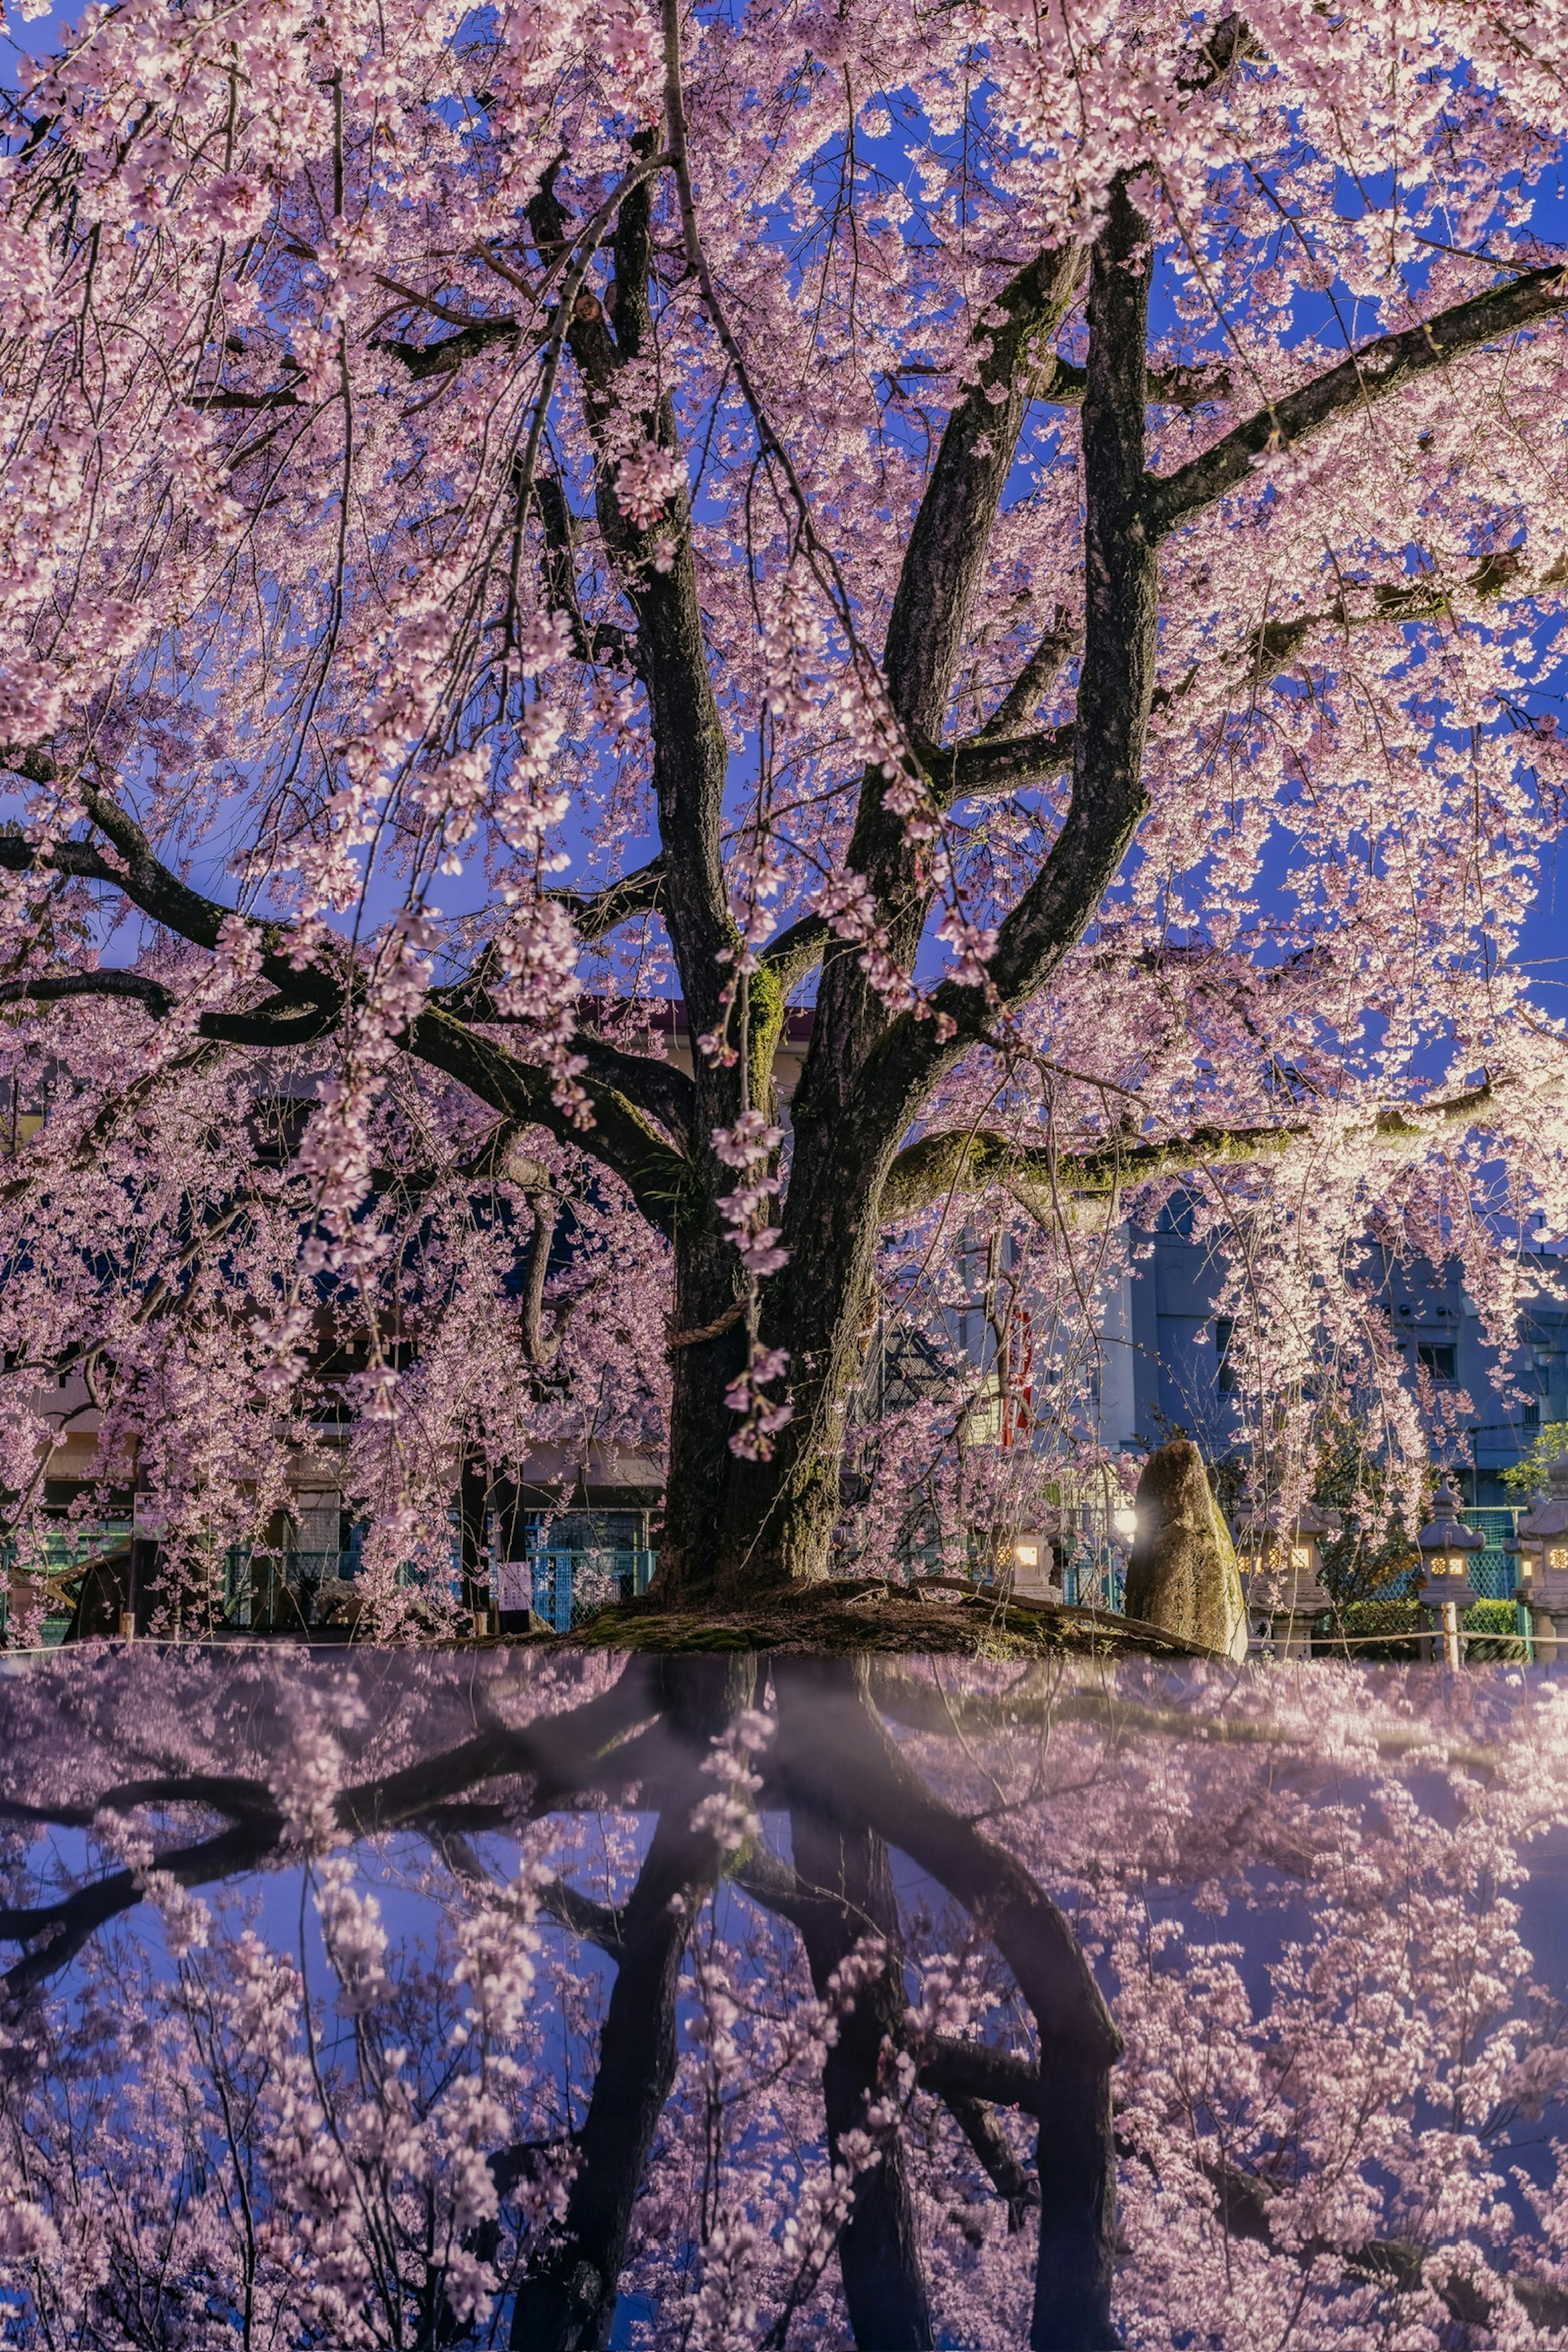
x=1446 y=1544
x=1281 y=1571
x=1543 y=1549
x=1032 y=1560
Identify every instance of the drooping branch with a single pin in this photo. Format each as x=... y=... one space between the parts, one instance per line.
x=1371 y=373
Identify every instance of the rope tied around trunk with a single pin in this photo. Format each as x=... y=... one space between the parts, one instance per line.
x=714 y=1330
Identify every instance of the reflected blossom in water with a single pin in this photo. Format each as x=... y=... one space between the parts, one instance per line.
x=707 y=2003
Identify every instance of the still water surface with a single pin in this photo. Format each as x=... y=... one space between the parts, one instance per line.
x=416 y=2001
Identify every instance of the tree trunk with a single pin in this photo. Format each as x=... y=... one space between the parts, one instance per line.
x=567 y=2302
x=733 y=1526
x=844 y=1874
x=697 y=1480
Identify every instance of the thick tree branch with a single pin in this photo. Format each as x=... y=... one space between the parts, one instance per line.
x=621 y=1136
x=1169 y=387
x=1245 y=2211
x=595 y=1922
x=77 y=859
x=592 y=641
x=1115 y=687
x=1120 y=578
x=940 y=575
x=281 y=1021
x=1023 y=697
x=690 y=753
x=1014 y=2182
x=133 y=986
x=598 y=911
x=959 y=1162
x=938 y=581
x=423 y=361
x=993 y=764
x=66 y=1925
x=568 y=2298
x=657 y=1176
x=1380 y=367
x=655 y=1086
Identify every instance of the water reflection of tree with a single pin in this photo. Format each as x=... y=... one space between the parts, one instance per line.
x=927 y=2050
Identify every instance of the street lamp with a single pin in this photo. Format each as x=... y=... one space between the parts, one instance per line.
x=1283 y=1578
x=1444 y=1544
x=1542 y=1543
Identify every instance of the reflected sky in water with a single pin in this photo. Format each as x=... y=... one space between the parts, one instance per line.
x=412 y=2001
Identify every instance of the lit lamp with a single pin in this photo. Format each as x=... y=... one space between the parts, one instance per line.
x=1444 y=1544
x=1282 y=1579
x=1543 y=1543
x=1032 y=1560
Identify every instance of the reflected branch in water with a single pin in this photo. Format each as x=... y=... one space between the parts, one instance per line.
x=787 y=1998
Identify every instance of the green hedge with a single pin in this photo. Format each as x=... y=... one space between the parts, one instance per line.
x=1389 y=1629
x=1497 y=1621
x=1372 y=1628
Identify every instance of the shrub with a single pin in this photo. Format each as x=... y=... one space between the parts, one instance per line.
x=1378 y=1629
x=1496 y=1622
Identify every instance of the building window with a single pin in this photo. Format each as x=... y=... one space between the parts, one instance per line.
x=1437 y=1357
x=1532 y=1414
x=1224 y=1333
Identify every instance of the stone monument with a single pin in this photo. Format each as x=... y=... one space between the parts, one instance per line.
x=1182 y=1575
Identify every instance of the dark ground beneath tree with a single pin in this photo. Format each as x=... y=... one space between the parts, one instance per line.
x=849 y=1616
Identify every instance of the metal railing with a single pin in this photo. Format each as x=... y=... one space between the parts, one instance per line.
x=568 y=1586
x=1095 y=1580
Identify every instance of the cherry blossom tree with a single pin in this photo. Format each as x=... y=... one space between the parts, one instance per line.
x=1208 y=2007
x=1047 y=528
